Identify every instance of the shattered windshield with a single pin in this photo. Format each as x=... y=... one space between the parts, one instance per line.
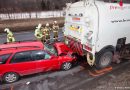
x=51 y=49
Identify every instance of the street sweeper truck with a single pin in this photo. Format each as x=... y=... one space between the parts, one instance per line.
x=99 y=30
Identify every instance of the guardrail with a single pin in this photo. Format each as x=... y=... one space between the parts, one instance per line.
x=31 y=15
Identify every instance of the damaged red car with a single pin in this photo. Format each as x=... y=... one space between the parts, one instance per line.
x=17 y=61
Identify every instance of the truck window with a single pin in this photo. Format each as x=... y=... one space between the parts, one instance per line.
x=115 y=1
x=126 y=1
x=104 y=0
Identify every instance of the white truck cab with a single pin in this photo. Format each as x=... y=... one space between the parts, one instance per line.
x=98 y=29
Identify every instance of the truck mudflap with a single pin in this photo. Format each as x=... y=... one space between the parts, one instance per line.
x=90 y=59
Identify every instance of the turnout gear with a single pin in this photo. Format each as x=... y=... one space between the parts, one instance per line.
x=43 y=35
x=10 y=36
x=46 y=31
x=55 y=28
x=38 y=32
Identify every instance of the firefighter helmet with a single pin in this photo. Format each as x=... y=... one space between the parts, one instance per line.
x=47 y=24
x=55 y=22
x=39 y=26
x=6 y=30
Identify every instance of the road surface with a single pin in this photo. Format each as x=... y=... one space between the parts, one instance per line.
x=29 y=35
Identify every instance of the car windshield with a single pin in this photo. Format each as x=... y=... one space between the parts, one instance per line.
x=51 y=49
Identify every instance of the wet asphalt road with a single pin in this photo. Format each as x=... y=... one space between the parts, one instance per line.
x=77 y=78
x=29 y=35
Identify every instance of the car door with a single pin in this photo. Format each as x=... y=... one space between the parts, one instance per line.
x=22 y=63
x=45 y=62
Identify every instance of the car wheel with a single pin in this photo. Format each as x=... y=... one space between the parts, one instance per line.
x=10 y=77
x=66 y=66
x=104 y=59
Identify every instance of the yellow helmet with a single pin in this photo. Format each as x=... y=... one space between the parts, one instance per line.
x=55 y=22
x=47 y=24
x=39 y=26
x=6 y=30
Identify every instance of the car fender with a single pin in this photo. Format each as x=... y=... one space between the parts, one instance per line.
x=66 y=59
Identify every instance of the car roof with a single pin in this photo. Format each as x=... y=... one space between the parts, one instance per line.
x=22 y=44
x=20 y=49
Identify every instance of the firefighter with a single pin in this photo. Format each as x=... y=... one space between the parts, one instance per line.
x=38 y=33
x=43 y=35
x=55 y=28
x=10 y=36
x=47 y=31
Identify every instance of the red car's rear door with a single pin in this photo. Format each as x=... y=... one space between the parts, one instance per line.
x=45 y=62
x=23 y=63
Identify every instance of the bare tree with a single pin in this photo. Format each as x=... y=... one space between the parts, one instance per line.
x=32 y=5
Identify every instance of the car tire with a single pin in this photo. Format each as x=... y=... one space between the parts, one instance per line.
x=10 y=77
x=66 y=66
x=104 y=59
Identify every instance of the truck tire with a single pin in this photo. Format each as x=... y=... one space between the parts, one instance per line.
x=103 y=59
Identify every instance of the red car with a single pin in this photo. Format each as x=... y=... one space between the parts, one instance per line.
x=20 y=61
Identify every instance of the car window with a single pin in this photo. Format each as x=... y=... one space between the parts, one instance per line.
x=51 y=49
x=47 y=56
x=40 y=55
x=22 y=57
x=4 y=58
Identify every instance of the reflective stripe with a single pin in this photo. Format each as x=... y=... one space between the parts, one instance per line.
x=55 y=31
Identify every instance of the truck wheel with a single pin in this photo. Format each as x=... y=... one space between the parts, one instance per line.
x=66 y=66
x=10 y=77
x=104 y=59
